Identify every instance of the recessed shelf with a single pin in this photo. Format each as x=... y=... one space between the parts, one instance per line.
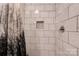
x=39 y=24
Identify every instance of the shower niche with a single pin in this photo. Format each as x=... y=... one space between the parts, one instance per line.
x=39 y=24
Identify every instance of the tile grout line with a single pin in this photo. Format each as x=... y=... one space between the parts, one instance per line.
x=55 y=30
x=69 y=31
x=77 y=52
x=68 y=11
x=77 y=25
x=68 y=37
x=67 y=19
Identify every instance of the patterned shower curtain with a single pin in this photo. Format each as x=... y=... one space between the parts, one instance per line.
x=12 y=20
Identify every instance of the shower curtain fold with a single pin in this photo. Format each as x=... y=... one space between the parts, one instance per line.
x=13 y=28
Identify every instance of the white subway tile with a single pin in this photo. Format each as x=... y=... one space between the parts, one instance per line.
x=74 y=10
x=69 y=50
x=74 y=39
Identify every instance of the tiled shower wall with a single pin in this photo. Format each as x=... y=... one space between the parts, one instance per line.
x=67 y=42
x=49 y=39
x=40 y=41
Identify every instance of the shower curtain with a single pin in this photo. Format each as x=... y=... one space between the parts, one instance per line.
x=11 y=17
